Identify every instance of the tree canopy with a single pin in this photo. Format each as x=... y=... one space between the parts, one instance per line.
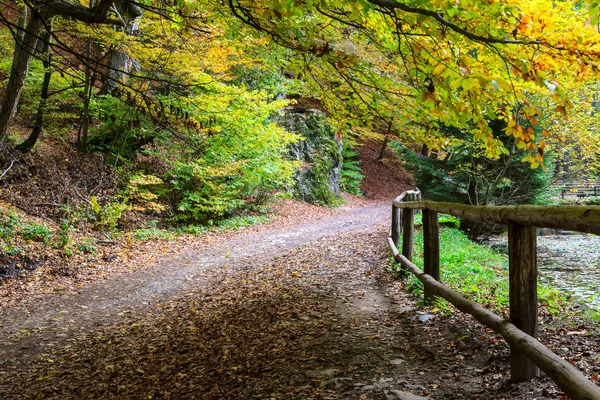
x=418 y=64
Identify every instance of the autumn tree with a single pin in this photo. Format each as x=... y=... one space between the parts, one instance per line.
x=41 y=12
x=433 y=63
x=438 y=63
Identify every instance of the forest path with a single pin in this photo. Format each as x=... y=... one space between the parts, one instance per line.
x=60 y=314
x=298 y=312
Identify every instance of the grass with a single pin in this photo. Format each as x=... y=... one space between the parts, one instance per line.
x=153 y=233
x=477 y=272
x=239 y=222
x=230 y=224
x=443 y=219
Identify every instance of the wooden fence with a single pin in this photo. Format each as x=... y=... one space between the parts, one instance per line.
x=580 y=189
x=527 y=353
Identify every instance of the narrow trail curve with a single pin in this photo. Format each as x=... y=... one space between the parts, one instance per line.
x=39 y=325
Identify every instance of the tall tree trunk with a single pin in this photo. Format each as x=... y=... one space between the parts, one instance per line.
x=82 y=137
x=28 y=144
x=385 y=142
x=23 y=12
x=18 y=73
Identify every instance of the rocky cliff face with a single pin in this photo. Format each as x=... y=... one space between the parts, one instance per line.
x=318 y=178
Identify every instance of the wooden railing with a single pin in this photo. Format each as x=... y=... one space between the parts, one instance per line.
x=580 y=189
x=527 y=353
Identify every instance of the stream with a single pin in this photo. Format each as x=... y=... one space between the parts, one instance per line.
x=569 y=262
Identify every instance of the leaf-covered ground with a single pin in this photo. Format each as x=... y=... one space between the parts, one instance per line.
x=279 y=316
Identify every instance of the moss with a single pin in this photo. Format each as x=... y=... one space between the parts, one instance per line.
x=317 y=180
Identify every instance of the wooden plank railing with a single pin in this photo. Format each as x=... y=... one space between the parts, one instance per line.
x=580 y=189
x=527 y=353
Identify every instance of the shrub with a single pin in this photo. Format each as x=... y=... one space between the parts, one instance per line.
x=87 y=246
x=215 y=161
x=242 y=163
x=63 y=235
x=465 y=175
x=9 y=220
x=36 y=232
x=107 y=216
x=124 y=131
x=351 y=175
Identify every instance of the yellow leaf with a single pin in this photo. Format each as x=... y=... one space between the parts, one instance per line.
x=439 y=69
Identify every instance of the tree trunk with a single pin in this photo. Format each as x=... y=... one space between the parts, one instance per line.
x=385 y=142
x=24 y=49
x=383 y=147
x=82 y=137
x=23 y=12
x=28 y=144
x=18 y=74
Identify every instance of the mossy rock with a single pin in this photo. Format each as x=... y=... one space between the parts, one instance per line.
x=317 y=180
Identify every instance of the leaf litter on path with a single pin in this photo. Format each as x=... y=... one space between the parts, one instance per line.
x=310 y=323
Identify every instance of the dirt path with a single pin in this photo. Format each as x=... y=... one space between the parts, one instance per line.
x=299 y=313
x=61 y=312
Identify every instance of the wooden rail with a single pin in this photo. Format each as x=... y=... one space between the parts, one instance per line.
x=527 y=353
x=580 y=189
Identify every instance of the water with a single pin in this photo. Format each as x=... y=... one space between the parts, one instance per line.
x=571 y=263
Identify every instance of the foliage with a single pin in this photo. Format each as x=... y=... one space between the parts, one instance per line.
x=107 y=216
x=142 y=191
x=64 y=238
x=124 y=131
x=572 y=139
x=235 y=164
x=351 y=175
x=443 y=219
x=589 y=201
x=9 y=221
x=430 y=69
x=152 y=233
x=86 y=245
x=436 y=63
x=229 y=154
x=477 y=271
x=36 y=232
x=238 y=222
x=430 y=63
x=464 y=175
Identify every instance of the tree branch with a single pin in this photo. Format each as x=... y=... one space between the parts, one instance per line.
x=99 y=14
x=393 y=4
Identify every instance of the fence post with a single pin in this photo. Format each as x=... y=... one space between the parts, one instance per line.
x=396 y=227
x=522 y=252
x=431 y=247
x=408 y=233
